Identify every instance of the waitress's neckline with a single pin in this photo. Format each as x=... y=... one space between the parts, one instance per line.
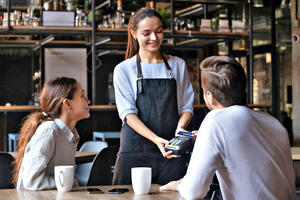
x=133 y=59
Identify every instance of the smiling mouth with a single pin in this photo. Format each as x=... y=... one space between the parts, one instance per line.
x=154 y=44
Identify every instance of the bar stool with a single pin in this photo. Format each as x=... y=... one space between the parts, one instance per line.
x=12 y=141
x=106 y=135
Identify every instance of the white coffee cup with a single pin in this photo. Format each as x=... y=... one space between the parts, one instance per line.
x=64 y=177
x=141 y=179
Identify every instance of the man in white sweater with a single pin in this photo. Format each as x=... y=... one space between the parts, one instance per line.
x=247 y=150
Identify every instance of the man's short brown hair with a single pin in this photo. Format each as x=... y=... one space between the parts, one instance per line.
x=225 y=78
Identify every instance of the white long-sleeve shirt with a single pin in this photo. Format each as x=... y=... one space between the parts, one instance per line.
x=125 y=77
x=52 y=144
x=249 y=152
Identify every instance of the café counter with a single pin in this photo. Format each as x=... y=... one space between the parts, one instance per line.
x=80 y=194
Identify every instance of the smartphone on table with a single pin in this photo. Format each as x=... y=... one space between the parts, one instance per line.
x=118 y=190
x=94 y=191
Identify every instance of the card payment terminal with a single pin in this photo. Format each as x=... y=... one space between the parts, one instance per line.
x=181 y=143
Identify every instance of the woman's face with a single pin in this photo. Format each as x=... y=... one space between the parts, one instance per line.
x=149 y=34
x=79 y=104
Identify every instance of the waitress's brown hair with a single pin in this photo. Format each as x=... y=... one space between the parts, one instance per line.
x=51 y=99
x=225 y=78
x=132 y=44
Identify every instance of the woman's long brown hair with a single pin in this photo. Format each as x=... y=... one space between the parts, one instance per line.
x=132 y=44
x=51 y=99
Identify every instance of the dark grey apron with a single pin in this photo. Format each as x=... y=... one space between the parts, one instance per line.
x=158 y=110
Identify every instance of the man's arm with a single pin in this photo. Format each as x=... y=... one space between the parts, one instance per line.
x=204 y=162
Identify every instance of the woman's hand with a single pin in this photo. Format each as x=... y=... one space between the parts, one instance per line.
x=171 y=185
x=160 y=142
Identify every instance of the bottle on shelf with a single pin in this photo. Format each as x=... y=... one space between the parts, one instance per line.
x=190 y=26
x=3 y=3
x=69 y=4
x=151 y=4
x=119 y=18
x=86 y=5
x=80 y=19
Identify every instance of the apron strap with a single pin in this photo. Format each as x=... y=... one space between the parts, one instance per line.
x=140 y=74
x=167 y=65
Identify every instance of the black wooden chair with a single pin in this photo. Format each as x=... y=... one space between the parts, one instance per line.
x=6 y=168
x=83 y=170
x=103 y=167
x=214 y=192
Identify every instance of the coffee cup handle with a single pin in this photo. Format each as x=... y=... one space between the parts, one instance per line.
x=61 y=179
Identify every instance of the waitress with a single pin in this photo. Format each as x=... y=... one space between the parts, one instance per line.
x=154 y=97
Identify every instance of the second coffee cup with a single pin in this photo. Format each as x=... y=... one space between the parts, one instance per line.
x=141 y=179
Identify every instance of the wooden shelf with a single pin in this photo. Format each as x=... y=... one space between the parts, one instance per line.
x=25 y=108
x=120 y=31
x=45 y=30
x=182 y=33
x=242 y=34
x=248 y=105
x=222 y=2
x=36 y=42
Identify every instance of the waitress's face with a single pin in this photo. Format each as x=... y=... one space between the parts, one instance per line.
x=149 y=34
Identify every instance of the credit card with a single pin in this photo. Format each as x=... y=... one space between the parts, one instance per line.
x=186 y=134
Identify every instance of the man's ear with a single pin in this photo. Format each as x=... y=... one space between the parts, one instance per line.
x=67 y=104
x=209 y=97
x=214 y=101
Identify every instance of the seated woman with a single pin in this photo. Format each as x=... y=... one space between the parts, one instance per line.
x=49 y=138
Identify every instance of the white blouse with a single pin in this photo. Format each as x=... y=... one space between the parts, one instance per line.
x=52 y=144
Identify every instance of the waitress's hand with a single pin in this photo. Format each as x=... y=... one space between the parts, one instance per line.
x=160 y=142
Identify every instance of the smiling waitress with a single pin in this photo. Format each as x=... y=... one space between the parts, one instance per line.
x=154 y=97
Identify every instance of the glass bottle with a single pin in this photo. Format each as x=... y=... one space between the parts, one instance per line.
x=151 y=4
x=119 y=18
x=3 y=3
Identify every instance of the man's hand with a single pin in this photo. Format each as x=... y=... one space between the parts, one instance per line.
x=160 y=142
x=179 y=129
x=195 y=132
x=171 y=185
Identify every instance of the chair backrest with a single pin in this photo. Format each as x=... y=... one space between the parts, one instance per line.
x=83 y=170
x=93 y=146
x=103 y=166
x=6 y=168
